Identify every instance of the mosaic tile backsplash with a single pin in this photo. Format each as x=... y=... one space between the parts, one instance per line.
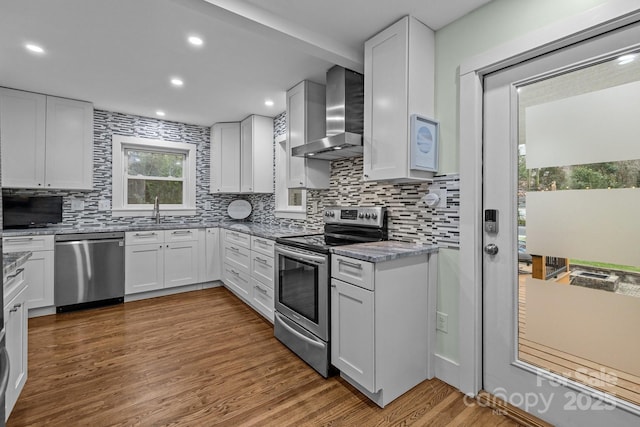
x=409 y=218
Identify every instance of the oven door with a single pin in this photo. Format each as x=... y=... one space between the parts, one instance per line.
x=302 y=288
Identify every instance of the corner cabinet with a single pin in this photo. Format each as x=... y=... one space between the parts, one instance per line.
x=242 y=156
x=225 y=158
x=47 y=142
x=380 y=324
x=398 y=82
x=306 y=121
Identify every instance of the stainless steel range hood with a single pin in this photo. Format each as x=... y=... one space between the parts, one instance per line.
x=345 y=116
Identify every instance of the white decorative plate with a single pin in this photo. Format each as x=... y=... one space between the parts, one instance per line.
x=239 y=209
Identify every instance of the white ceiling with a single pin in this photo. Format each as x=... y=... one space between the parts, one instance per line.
x=121 y=54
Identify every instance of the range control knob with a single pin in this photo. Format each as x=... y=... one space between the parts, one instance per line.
x=332 y=214
x=360 y=215
x=367 y=215
x=374 y=215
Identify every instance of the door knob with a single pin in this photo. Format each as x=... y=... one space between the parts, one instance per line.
x=491 y=249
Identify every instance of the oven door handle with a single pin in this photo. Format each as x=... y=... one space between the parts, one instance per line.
x=304 y=256
x=308 y=340
x=348 y=237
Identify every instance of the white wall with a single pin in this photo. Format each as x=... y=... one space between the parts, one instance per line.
x=488 y=27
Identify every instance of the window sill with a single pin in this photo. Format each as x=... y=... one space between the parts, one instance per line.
x=291 y=214
x=149 y=212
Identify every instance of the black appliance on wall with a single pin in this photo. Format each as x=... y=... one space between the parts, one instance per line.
x=303 y=275
x=31 y=211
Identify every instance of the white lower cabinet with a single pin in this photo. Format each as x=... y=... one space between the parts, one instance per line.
x=212 y=259
x=160 y=259
x=16 y=329
x=38 y=270
x=380 y=324
x=247 y=269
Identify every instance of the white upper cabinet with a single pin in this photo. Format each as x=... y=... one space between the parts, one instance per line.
x=256 y=169
x=47 y=142
x=398 y=82
x=242 y=156
x=225 y=158
x=306 y=121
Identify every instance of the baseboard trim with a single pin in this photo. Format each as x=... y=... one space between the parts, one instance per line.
x=516 y=414
x=447 y=370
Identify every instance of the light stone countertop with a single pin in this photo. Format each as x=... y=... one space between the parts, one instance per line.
x=267 y=231
x=13 y=261
x=383 y=251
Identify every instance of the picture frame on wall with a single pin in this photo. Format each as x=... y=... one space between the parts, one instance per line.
x=425 y=135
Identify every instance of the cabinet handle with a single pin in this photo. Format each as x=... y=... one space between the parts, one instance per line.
x=234 y=249
x=167 y=245
x=48 y=185
x=160 y=246
x=18 y=239
x=262 y=291
x=153 y=233
x=13 y=310
x=366 y=176
x=260 y=241
x=333 y=286
x=350 y=264
x=17 y=306
x=235 y=273
x=233 y=233
x=181 y=232
x=260 y=260
x=17 y=273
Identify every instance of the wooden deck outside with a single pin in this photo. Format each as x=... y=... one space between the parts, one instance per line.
x=625 y=386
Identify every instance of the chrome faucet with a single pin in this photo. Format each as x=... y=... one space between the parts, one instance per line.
x=156 y=210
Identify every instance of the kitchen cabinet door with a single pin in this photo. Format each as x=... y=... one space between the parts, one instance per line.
x=256 y=168
x=69 y=154
x=212 y=254
x=15 y=318
x=180 y=263
x=225 y=158
x=22 y=132
x=352 y=332
x=38 y=272
x=262 y=299
x=144 y=267
x=306 y=121
x=399 y=81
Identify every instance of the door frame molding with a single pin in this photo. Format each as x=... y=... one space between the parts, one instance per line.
x=593 y=22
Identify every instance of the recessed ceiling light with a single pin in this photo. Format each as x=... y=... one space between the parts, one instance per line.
x=268 y=103
x=625 y=59
x=177 y=81
x=34 y=48
x=160 y=113
x=195 y=40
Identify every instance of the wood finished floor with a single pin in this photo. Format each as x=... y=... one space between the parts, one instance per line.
x=200 y=359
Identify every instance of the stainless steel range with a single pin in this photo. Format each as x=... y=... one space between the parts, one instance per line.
x=302 y=266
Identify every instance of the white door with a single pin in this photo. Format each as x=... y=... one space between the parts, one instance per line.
x=562 y=171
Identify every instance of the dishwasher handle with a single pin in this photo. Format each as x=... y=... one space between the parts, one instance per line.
x=93 y=242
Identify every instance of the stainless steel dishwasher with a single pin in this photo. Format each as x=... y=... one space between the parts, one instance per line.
x=89 y=270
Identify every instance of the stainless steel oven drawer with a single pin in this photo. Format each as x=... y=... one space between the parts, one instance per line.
x=310 y=348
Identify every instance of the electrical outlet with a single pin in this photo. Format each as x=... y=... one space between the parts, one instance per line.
x=104 y=205
x=442 y=322
x=77 y=204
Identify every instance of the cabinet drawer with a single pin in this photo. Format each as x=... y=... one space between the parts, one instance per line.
x=237 y=280
x=262 y=298
x=186 y=235
x=354 y=271
x=143 y=237
x=237 y=256
x=13 y=284
x=27 y=243
x=237 y=238
x=264 y=246
x=262 y=268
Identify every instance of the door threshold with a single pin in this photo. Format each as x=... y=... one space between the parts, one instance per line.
x=508 y=410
